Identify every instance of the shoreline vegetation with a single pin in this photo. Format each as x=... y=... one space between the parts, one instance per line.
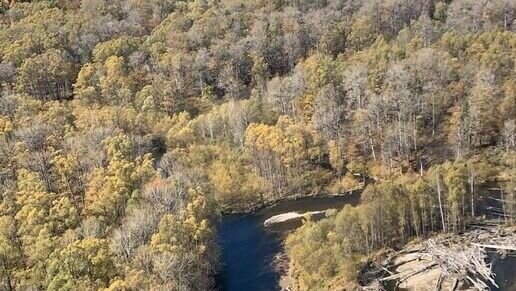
x=439 y=262
x=257 y=207
x=414 y=265
x=485 y=232
x=328 y=254
x=481 y=232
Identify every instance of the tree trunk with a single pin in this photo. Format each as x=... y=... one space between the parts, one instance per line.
x=503 y=205
x=472 y=190
x=440 y=202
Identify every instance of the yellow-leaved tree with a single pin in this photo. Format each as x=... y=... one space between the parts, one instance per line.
x=110 y=188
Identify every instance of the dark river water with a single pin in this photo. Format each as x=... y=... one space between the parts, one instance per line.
x=505 y=273
x=248 y=248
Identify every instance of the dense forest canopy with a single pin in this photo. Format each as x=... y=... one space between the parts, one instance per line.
x=127 y=125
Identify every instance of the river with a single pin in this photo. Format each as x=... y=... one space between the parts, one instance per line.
x=248 y=248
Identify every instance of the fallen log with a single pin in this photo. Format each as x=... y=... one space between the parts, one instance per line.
x=439 y=283
x=284 y=217
x=383 y=268
x=418 y=258
x=500 y=247
x=405 y=276
x=455 y=284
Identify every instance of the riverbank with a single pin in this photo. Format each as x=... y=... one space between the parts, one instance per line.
x=483 y=257
x=447 y=262
x=256 y=207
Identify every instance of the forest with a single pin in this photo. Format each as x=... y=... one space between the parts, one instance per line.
x=128 y=126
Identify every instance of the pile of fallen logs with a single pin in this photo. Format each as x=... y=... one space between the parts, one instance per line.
x=463 y=263
x=458 y=259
